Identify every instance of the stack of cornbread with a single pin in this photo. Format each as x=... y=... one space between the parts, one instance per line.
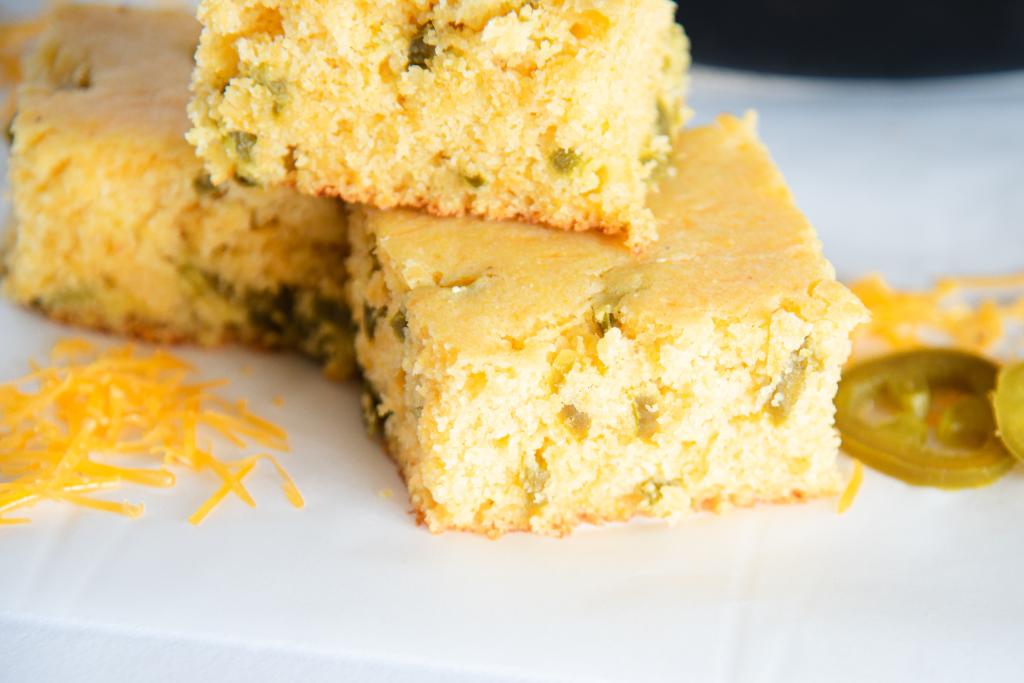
x=567 y=307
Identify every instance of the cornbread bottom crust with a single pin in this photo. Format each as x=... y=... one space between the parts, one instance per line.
x=642 y=228
x=717 y=505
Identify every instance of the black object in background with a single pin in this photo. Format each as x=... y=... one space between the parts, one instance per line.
x=894 y=38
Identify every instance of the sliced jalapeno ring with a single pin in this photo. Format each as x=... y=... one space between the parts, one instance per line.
x=967 y=423
x=1009 y=407
x=889 y=424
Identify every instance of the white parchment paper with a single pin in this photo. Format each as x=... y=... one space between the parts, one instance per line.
x=914 y=180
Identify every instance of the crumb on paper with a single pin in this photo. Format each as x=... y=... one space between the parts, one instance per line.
x=385 y=493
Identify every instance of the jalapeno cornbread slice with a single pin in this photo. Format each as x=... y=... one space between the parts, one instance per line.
x=551 y=112
x=116 y=223
x=528 y=379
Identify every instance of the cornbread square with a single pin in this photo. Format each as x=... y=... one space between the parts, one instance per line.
x=116 y=223
x=527 y=379
x=551 y=112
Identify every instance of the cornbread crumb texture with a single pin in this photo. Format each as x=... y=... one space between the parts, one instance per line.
x=118 y=226
x=527 y=379
x=553 y=112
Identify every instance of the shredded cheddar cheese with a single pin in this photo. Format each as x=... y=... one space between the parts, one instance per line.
x=139 y=412
x=852 y=487
x=951 y=313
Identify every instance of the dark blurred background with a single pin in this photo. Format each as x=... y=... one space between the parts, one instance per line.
x=865 y=38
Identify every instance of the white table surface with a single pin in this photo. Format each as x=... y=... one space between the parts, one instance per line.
x=912 y=179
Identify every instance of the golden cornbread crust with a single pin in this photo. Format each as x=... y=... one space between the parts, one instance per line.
x=531 y=380
x=556 y=113
x=717 y=505
x=116 y=224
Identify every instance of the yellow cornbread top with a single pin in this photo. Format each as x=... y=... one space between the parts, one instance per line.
x=733 y=245
x=84 y=73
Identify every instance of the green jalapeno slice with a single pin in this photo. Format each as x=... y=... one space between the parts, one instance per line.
x=1009 y=407
x=924 y=417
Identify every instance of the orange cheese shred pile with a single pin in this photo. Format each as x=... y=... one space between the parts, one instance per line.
x=959 y=312
x=140 y=414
